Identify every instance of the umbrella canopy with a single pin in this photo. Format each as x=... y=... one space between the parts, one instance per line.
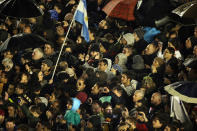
x=20 y=9
x=185 y=90
x=23 y=41
x=122 y=9
x=187 y=10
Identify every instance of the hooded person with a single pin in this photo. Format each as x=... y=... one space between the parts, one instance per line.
x=121 y=60
x=72 y=116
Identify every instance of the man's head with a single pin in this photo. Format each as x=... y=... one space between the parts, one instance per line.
x=11 y=110
x=126 y=77
x=10 y=124
x=156 y=99
x=103 y=24
x=46 y=65
x=96 y=107
x=138 y=95
x=151 y=48
x=48 y=49
x=169 y=53
x=103 y=64
x=37 y=54
x=81 y=84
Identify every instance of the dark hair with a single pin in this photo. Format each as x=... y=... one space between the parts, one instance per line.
x=171 y=50
x=118 y=88
x=175 y=42
x=104 y=61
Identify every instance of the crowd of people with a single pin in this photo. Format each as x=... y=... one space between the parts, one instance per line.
x=115 y=81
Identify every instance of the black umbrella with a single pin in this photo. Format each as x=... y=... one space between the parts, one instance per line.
x=185 y=90
x=23 y=41
x=20 y=9
x=187 y=10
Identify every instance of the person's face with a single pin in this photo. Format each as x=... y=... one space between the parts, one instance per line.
x=44 y=67
x=10 y=125
x=102 y=49
x=195 y=32
x=40 y=76
x=136 y=97
x=60 y=30
x=2 y=118
x=80 y=85
x=10 y=89
x=11 y=111
x=150 y=49
x=108 y=110
x=156 y=124
x=79 y=40
x=155 y=99
x=195 y=50
x=69 y=105
x=167 y=128
x=52 y=98
x=188 y=43
x=8 y=54
x=167 y=54
x=18 y=91
x=102 y=66
x=27 y=30
x=95 y=89
x=140 y=117
x=155 y=63
x=96 y=109
x=36 y=55
x=126 y=51
x=48 y=49
x=102 y=24
x=24 y=78
x=124 y=79
x=123 y=41
x=91 y=35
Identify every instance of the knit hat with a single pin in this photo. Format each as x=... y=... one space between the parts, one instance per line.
x=48 y=62
x=44 y=100
x=54 y=14
x=76 y=104
x=138 y=62
x=117 y=67
x=129 y=38
x=2 y=112
x=140 y=32
x=82 y=96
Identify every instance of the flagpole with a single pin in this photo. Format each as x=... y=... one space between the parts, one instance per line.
x=63 y=45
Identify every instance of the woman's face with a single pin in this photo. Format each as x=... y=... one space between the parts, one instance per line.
x=167 y=54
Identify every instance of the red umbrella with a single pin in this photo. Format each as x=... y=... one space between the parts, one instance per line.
x=122 y=9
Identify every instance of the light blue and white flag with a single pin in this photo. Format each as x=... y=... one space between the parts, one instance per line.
x=82 y=17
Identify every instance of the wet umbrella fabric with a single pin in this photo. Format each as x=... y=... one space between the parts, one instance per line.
x=185 y=90
x=187 y=10
x=23 y=41
x=20 y=9
x=122 y=9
